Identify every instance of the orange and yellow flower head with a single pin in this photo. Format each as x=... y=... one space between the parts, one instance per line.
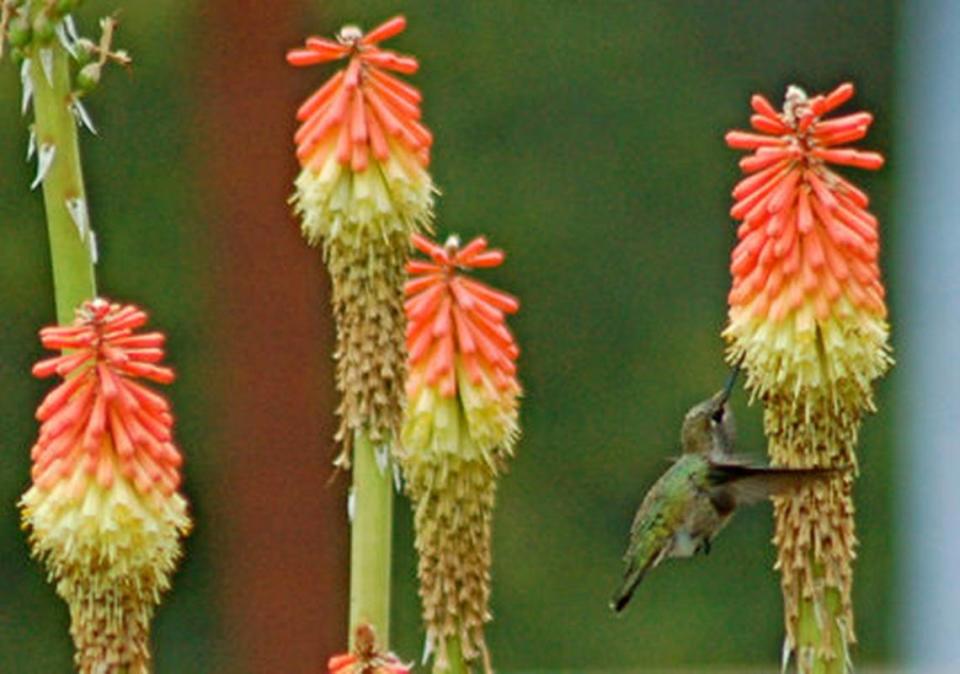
x=459 y=430
x=103 y=512
x=363 y=189
x=807 y=315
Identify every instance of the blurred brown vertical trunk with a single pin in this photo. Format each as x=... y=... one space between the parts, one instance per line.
x=279 y=530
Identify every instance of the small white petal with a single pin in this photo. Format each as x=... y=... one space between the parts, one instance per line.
x=44 y=161
x=818 y=615
x=77 y=208
x=65 y=39
x=32 y=144
x=71 y=28
x=27 y=85
x=94 y=251
x=382 y=454
x=847 y=660
x=83 y=117
x=351 y=504
x=427 y=648
x=46 y=60
x=785 y=655
x=397 y=480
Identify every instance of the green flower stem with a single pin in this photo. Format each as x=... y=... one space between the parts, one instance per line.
x=370 y=542
x=73 y=275
x=455 y=661
x=814 y=630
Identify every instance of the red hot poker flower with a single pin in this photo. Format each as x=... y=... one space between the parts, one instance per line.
x=361 y=106
x=807 y=316
x=459 y=430
x=363 y=189
x=103 y=512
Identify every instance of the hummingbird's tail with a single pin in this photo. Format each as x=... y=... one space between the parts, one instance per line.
x=623 y=595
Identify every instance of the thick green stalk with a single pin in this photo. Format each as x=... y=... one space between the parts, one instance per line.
x=73 y=275
x=455 y=661
x=814 y=631
x=370 y=542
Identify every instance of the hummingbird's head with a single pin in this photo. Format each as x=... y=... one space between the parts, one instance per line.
x=709 y=426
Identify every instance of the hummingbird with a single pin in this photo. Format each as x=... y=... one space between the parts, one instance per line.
x=688 y=506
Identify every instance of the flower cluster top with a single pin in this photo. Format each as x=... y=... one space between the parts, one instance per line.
x=100 y=419
x=454 y=319
x=806 y=232
x=361 y=110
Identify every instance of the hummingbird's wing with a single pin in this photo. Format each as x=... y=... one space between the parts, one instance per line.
x=662 y=510
x=752 y=484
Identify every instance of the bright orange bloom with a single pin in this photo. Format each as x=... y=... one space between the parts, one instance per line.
x=99 y=398
x=459 y=430
x=453 y=317
x=807 y=316
x=806 y=235
x=361 y=107
x=103 y=512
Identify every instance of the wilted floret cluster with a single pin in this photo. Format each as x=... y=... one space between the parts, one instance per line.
x=366 y=658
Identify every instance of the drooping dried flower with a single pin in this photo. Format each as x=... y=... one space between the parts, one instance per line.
x=459 y=430
x=363 y=189
x=807 y=314
x=103 y=511
x=365 y=658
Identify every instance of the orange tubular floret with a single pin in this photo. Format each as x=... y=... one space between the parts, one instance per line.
x=428 y=247
x=749 y=141
x=385 y=30
x=763 y=107
x=305 y=57
x=865 y=160
x=401 y=106
x=421 y=267
x=334 y=50
x=497 y=298
x=837 y=97
x=400 y=88
x=478 y=245
x=491 y=258
x=767 y=125
x=321 y=96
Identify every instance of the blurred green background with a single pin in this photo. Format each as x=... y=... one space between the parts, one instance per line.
x=583 y=138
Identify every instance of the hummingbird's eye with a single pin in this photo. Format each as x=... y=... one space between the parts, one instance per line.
x=717 y=417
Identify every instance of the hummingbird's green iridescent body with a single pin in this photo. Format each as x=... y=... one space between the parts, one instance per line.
x=690 y=503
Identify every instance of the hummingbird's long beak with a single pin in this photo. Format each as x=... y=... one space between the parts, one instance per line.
x=731 y=380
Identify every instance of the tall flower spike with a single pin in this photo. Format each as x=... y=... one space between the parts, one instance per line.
x=362 y=191
x=460 y=428
x=103 y=511
x=807 y=314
